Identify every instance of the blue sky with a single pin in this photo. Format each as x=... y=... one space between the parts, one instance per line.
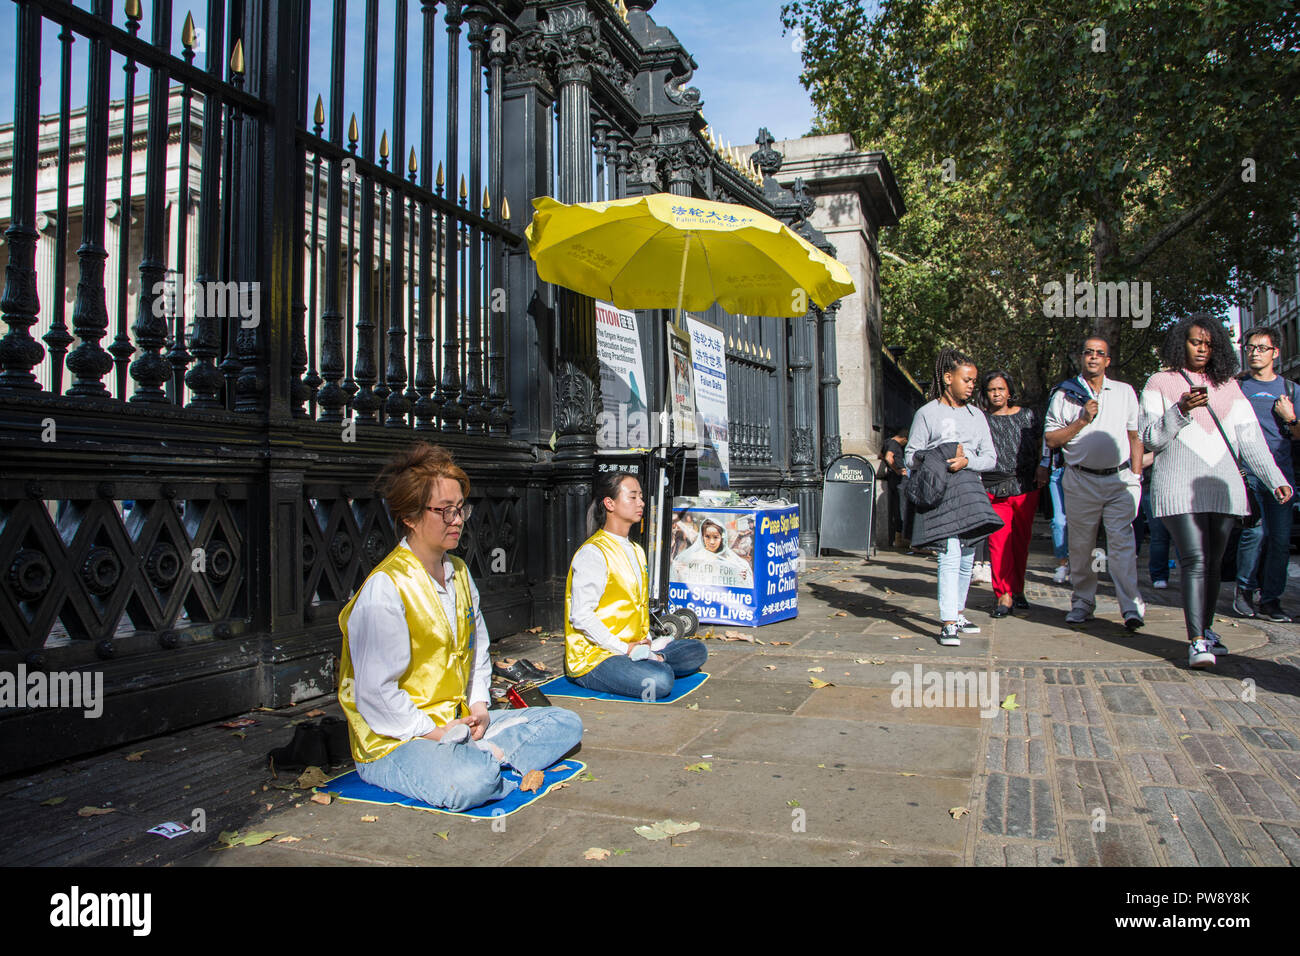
x=748 y=69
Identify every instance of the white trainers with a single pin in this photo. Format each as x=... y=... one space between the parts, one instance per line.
x=964 y=626
x=949 y=636
x=1199 y=654
x=1062 y=575
x=1160 y=585
x=1078 y=615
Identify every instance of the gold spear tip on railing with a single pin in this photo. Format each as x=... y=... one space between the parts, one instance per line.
x=487 y=200
x=464 y=192
x=505 y=209
x=353 y=136
x=410 y=163
x=318 y=116
x=187 y=31
x=133 y=11
x=383 y=144
x=769 y=355
x=730 y=344
x=237 y=58
x=622 y=10
x=441 y=178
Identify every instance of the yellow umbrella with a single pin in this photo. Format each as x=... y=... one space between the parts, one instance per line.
x=664 y=251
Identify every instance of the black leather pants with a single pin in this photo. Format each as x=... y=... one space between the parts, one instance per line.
x=1201 y=539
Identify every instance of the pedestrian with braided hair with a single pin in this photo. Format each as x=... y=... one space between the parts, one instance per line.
x=951 y=426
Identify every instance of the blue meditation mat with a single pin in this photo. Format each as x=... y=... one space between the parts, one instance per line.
x=350 y=786
x=563 y=687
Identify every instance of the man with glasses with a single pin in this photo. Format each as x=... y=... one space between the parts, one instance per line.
x=1263 y=551
x=1093 y=420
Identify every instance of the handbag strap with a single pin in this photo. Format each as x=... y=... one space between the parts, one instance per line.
x=1235 y=460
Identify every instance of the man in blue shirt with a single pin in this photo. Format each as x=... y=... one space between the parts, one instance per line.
x=1263 y=551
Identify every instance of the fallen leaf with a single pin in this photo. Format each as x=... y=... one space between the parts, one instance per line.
x=311 y=777
x=692 y=706
x=665 y=829
x=885 y=843
x=815 y=670
x=596 y=853
x=95 y=811
x=315 y=713
x=135 y=757
x=444 y=834
x=561 y=786
x=738 y=636
x=1184 y=736
x=792 y=803
x=769 y=667
x=958 y=812
x=233 y=838
x=779 y=643
x=840 y=614
x=821 y=766
x=240 y=734
x=586 y=777
x=324 y=799
x=818 y=684
x=534 y=630
x=532 y=780
x=904 y=773
x=700 y=767
x=622 y=852
x=289 y=839
x=1010 y=703
x=370 y=819
x=53 y=801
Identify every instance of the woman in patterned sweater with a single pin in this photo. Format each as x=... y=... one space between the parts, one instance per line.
x=1196 y=487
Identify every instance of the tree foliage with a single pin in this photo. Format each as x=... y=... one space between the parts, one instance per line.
x=1118 y=140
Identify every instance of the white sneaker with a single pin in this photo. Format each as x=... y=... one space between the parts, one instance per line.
x=1199 y=654
x=1062 y=574
x=950 y=636
x=1078 y=615
x=1160 y=585
x=964 y=626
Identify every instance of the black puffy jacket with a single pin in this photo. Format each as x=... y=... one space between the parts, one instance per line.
x=963 y=511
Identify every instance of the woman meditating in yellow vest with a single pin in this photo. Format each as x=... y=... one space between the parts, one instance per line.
x=607 y=643
x=415 y=673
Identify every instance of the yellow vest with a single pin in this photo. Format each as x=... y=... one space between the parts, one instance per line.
x=437 y=679
x=624 y=607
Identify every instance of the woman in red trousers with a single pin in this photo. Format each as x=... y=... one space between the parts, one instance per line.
x=1012 y=489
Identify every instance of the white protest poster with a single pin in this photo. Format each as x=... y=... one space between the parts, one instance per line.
x=624 y=417
x=709 y=363
x=681 y=387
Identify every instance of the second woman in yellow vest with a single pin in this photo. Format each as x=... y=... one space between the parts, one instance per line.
x=607 y=641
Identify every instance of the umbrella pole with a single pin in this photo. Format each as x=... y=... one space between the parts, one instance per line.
x=681 y=281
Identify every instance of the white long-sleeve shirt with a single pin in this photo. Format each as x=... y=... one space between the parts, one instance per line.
x=380 y=645
x=590 y=575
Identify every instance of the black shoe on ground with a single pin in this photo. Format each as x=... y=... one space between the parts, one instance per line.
x=1241 y=605
x=515 y=672
x=1273 y=611
x=533 y=671
x=1000 y=610
x=1134 y=622
x=307 y=749
x=337 y=744
x=1019 y=602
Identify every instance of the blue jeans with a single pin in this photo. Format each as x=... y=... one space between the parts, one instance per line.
x=955 y=563
x=1060 y=543
x=463 y=776
x=1265 y=571
x=1158 y=556
x=647 y=680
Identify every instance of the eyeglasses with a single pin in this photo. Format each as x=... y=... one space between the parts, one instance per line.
x=452 y=512
x=1100 y=353
x=1260 y=348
